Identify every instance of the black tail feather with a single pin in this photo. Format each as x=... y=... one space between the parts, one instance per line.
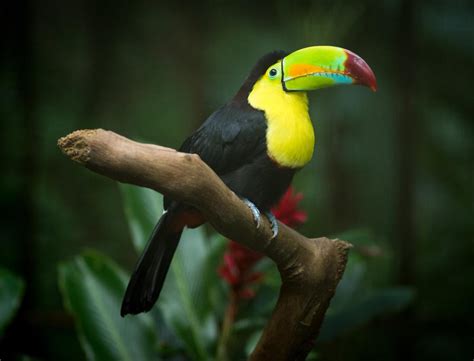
x=150 y=272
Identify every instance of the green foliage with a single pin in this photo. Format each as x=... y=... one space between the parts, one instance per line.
x=363 y=309
x=193 y=300
x=357 y=300
x=92 y=287
x=11 y=292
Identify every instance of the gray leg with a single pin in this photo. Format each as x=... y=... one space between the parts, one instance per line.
x=273 y=222
x=255 y=211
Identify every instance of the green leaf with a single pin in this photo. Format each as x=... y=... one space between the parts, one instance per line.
x=351 y=284
x=92 y=287
x=11 y=293
x=360 y=312
x=143 y=207
x=252 y=342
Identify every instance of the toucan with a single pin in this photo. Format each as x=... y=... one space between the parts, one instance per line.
x=255 y=143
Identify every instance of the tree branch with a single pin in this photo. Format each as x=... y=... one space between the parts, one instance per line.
x=310 y=268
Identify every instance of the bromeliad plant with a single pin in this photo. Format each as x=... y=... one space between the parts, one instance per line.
x=216 y=296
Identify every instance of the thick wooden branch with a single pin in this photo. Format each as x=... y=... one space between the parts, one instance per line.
x=310 y=268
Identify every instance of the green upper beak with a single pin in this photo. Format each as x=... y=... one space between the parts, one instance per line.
x=322 y=66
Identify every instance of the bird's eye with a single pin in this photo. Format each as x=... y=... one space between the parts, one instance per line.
x=273 y=72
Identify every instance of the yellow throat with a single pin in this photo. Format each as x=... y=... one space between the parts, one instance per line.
x=290 y=134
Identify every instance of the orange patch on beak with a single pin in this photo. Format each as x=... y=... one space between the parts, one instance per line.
x=298 y=70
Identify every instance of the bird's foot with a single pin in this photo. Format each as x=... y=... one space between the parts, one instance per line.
x=258 y=218
x=255 y=212
x=273 y=222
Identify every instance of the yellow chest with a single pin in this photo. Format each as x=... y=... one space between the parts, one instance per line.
x=290 y=133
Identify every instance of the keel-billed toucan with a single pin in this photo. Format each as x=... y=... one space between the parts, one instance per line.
x=255 y=143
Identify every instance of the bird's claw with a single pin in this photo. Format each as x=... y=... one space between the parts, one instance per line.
x=258 y=218
x=273 y=222
x=255 y=212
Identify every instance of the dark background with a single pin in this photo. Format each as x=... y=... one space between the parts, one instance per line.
x=398 y=162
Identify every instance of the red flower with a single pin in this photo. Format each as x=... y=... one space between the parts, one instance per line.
x=287 y=212
x=237 y=267
x=238 y=262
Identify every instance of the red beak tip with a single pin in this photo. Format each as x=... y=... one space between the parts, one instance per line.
x=360 y=70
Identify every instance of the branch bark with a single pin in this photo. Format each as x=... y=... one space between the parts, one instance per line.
x=310 y=269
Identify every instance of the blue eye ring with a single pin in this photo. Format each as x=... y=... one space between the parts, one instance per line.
x=273 y=73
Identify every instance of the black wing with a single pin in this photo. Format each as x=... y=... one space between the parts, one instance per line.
x=230 y=138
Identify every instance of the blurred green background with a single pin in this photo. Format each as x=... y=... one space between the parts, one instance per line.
x=396 y=164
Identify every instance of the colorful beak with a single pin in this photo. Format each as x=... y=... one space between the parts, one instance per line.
x=323 y=66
